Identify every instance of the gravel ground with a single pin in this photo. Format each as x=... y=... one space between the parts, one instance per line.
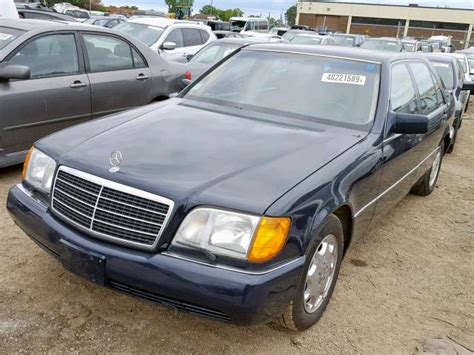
x=410 y=279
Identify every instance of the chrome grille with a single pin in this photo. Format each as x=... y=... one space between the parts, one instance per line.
x=108 y=210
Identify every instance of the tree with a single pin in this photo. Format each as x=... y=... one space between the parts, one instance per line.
x=291 y=15
x=173 y=5
x=223 y=15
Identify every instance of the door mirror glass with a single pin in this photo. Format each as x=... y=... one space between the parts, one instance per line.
x=407 y=123
x=18 y=72
x=169 y=46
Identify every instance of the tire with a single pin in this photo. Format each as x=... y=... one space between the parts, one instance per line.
x=426 y=185
x=301 y=314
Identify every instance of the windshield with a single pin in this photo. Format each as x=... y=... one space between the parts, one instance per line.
x=446 y=73
x=8 y=34
x=344 y=40
x=307 y=40
x=214 y=53
x=381 y=45
x=145 y=33
x=237 y=26
x=327 y=90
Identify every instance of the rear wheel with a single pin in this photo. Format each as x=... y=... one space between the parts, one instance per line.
x=427 y=183
x=320 y=275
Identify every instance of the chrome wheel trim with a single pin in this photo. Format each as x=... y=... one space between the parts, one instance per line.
x=320 y=274
x=435 y=169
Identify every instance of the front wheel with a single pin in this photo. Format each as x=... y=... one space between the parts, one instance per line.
x=426 y=185
x=319 y=278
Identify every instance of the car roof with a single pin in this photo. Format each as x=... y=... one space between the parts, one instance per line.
x=158 y=21
x=439 y=57
x=358 y=54
x=28 y=24
x=247 y=18
x=242 y=40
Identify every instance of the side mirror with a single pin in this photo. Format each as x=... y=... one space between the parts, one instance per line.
x=468 y=85
x=169 y=46
x=185 y=83
x=20 y=72
x=407 y=123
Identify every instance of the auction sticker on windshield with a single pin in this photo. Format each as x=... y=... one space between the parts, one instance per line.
x=338 y=78
x=5 y=36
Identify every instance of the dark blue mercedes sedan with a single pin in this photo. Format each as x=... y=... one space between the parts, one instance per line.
x=238 y=199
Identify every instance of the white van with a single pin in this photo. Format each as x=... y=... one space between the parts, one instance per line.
x=8 y=9
x=249 y=24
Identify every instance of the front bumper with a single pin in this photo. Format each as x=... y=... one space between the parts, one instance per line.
x=212 y=291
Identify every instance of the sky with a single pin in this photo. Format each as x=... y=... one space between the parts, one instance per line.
x=276 y=7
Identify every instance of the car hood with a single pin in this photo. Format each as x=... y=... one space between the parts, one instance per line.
x=197 y=156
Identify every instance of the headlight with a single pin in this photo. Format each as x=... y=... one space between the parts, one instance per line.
x=38 y=170
x=237 y=235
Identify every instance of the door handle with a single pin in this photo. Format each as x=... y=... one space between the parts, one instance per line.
x=142 y=77
x=78 y=84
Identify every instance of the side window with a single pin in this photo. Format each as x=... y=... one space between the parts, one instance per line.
x=176 y=36
x=204 y=36
x=138 y=61
x=402 y=92
x=107 y=53
x=37 y=16
x=427 y=88
x=192 y=37
x=250 y=26
x=52 y=55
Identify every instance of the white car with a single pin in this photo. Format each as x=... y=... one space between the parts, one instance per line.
x=250 y=26
x=174 y=39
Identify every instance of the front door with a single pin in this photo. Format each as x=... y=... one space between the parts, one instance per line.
x=56 y=96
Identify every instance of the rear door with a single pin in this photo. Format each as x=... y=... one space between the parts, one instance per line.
x=56 y=96
x=118 y=73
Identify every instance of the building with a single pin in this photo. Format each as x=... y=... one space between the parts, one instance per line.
x=378 y=20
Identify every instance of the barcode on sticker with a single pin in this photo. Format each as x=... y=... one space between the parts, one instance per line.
x=338 y=78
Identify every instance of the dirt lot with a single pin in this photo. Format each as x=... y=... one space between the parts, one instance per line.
x=410 y=279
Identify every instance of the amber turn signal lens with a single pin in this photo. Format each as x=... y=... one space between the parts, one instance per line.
x=25 y=164
x=269 y=239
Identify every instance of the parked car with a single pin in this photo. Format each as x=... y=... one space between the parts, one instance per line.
x=348 y=40
x=238 y=199
x=214 y=52
x=470 y=59
x=173 y=39
x=288 y=36
x=104 y=21
x=383 y=44
x=79 y=14
x=49 y=82
x=465 y=65
x=453 y=77
x=278 y=31
x=253 y=25
x=44 y=15
x=412 y=45
x=312 y=39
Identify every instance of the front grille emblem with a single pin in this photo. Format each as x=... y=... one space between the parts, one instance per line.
x=115 y=160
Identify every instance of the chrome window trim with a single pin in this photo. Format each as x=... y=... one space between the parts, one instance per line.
x=231 y=268
x=360 y=211
x=118 y=187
